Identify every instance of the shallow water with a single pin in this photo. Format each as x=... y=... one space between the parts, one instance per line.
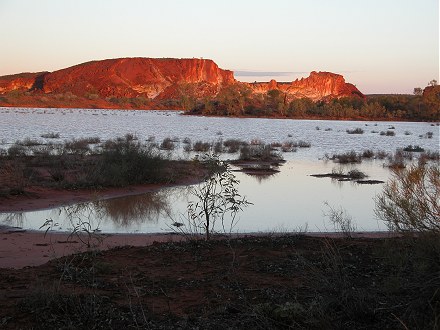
x=286 y=201
x=326 y=136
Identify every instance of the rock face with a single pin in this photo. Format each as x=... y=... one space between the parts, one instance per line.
x=318 y=86
x=22 y=81
x=161 y=79
x=130 y=77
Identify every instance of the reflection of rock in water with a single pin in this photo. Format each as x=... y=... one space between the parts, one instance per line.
x=15 y=219
x=129 y=210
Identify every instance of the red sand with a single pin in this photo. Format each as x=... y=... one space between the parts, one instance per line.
x=22 y=248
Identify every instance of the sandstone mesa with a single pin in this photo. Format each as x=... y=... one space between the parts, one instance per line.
x=159 y=79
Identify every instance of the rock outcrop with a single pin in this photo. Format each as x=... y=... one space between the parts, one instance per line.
x=130 y=77
x=318 y=86
x=23 y=81
x=156 y=79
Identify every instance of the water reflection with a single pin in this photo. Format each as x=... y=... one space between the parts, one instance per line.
x=121 y=212
x=261 y=177
x=16 y=219
x=129 y=210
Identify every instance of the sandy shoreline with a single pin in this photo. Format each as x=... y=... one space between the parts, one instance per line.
x=22 y=248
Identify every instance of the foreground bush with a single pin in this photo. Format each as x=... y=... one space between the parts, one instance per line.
x=411 y=200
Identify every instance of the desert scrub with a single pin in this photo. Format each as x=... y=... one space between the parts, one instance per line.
x=410 y=201
x=167 y=144
x=388 y=133
x=125 y=162
x=233 y=145
x=355 y=131
x=346 y=158
x=415 y=148
x=50 y=135
x=200 y=146
x=259 y=152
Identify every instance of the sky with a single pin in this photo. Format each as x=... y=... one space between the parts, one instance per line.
x=381 y=46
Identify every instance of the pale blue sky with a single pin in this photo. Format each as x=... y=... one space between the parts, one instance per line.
x=381 y=46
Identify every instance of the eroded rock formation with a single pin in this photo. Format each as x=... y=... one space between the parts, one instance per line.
x=158 y=79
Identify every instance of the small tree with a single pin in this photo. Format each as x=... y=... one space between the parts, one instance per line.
x=433 y=82
x=410 y=201
x=217 y=199
x=418 y=91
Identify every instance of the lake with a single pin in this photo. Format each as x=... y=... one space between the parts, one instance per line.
x=289 y=200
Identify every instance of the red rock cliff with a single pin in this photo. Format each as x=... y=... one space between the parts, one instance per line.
x=129 y=77
x=161 y=79
x=318 y=86
x=21 y=81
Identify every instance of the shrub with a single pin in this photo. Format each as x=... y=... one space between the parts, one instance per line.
x=258 y=152
x=218 y=147
x=347 y=158
x=388 y=133
x=126 y=162
x=17 y=150
x=28 y=142
x=167 y=144
x=304 y=144
x=50 y=135
x=355 y=131
x=217 y=200
x=410 y=200
x=356 y=174
x=77 y=146
x=411 y=148
x=201 y=146
x=233 y=145
x=288 y=146
x=341 y=220
x=368 y=153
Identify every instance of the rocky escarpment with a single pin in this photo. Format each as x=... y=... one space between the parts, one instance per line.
x=130 y=77
x=148 y=83
x=23 y=81
x=318 y=86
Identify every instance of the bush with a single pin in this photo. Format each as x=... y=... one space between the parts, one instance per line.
x=201 y=146
x=368 y=153
x=355 y=131
x=411 y=148
x=126 y=162
x=388 y=133
x=258 y=152
x=233 y=145
x=50 y=135
x=167 y=144
x=410 y=200
x=347 y=158
x=77 y=146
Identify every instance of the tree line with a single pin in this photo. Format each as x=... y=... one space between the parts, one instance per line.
x=239 y=101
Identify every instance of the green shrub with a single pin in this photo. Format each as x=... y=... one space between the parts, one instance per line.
x=125 y=162
x=410 y=200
